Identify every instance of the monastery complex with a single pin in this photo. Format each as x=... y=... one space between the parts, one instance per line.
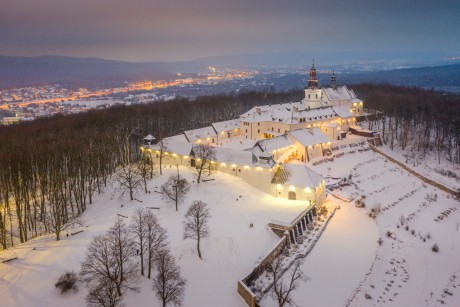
x=269 y=146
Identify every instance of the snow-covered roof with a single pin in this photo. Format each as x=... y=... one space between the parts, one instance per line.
x=237 y=143
x=230 y=156
x=340 y=93
x=309 y=136
x=317 y=114
x=179 y=137
x=173 y=145
x=302 y=176
x=282 y=113
x=275 y=143
x=287 y=113
x=343 y=111
x=149 y=138
x=200 y=133
x=226 y=125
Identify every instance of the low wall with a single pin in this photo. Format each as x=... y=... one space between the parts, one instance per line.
x=421 y=177
x=243 y=290
x=247 y=295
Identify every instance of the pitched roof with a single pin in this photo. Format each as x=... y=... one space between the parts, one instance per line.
x=309 y=136
x=275 y=143
x=302 y=176
x=174 y=145
x=230 y=156
x=200 y=133
x=226 y=125
x=342 y=92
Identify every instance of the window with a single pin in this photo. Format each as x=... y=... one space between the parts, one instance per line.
x=258 y=131
x=272 y=128
x=246 y=130
x=308 y=96
x=258 y=124
x=278 y=130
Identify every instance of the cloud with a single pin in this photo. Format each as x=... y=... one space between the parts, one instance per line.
x=187 y=29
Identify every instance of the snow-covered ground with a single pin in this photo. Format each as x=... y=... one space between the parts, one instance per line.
x=439 y=170
x=229 y=254
x=346 y=264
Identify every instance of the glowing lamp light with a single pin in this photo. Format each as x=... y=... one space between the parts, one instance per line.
x=185 y=157
x=233 y=165
x=292 y=188
x=246 y=167
x=307 y=189
x=279 y=186
x=223 y=164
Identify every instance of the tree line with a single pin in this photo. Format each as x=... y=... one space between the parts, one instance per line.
x=51 y=168
x=419 y=121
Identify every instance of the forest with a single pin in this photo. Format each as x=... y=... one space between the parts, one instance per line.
x=51 y=168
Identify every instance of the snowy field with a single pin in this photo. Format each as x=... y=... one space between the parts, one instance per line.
x=229 y=254
x=405 y=271
x=346 y=267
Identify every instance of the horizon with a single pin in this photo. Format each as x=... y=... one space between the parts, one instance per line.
x=185 y=31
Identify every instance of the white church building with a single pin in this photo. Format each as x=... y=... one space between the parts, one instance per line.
x=269 y=146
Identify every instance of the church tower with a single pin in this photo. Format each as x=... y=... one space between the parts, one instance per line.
x=313 y=95
x=333 y=81
x=313 y=81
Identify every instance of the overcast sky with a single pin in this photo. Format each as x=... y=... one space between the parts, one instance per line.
x=170 y=30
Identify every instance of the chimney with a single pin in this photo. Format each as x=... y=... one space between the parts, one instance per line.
x=258 y=110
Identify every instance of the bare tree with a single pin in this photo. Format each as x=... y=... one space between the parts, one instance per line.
x=139 y=230
x=161 y=145
x=108 y=260
x=103 y=294
x=169 y=285
x=129 y=179
x=155 y=239
x=145 y=167
x=196 y=223
x=175 y=189
x=204 y=154
x=281 y=291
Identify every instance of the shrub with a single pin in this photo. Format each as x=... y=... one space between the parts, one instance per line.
x=435 y=248
x=367 y=296
x=412 y=232
x=407 y=227
x=389 y=234
x=428 y=236
x=380 y=241
x=67 y=281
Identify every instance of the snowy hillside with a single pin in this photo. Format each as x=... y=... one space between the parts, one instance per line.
x=346 y=267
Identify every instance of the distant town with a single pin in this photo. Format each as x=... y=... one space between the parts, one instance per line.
x=25 y=104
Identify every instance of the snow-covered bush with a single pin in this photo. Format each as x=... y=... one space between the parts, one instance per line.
x=67 y=281
x=435 y=248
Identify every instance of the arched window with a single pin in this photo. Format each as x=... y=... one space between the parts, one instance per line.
x=291 y=195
